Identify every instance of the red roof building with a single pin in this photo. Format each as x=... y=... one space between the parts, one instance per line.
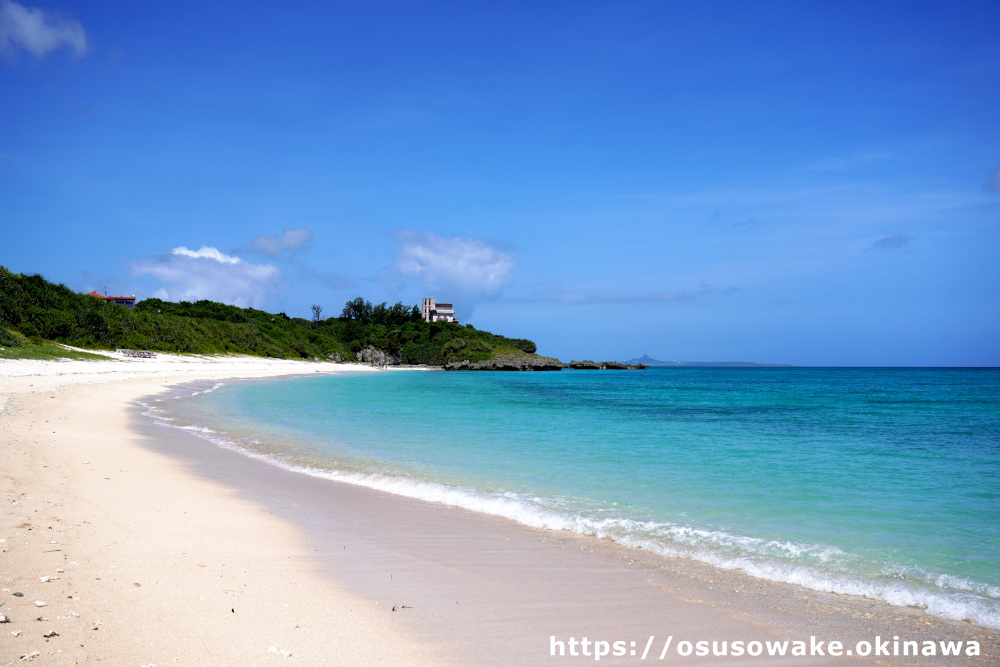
x=119 y=300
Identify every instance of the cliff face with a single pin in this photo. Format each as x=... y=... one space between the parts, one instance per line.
x=374 y=356
x=508 y=362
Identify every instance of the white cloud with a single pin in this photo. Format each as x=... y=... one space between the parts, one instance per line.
x=207 y=273
x=206 y=252
x=37 y=32
x=291 y=240
x=464 y=266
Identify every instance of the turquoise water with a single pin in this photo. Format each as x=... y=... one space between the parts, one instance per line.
x=878 y=482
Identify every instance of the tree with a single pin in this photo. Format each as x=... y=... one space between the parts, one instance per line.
x=357 y=309
x=317 y=313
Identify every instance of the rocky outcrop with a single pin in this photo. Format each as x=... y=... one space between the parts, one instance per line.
x=376 y=357
x=507 y=362
x=588 y=365
x=619 y=366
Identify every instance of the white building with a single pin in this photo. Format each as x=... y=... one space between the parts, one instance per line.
x=432 y=311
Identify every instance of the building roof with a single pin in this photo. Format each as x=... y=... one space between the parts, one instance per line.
x=111 y=298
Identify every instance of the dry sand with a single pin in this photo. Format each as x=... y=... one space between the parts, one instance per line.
x=164 y=549
x=149 y=564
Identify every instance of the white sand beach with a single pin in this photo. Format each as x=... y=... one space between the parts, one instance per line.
x=115 y=549
x=144 y=562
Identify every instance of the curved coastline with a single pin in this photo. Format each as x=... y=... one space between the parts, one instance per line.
x=762 y=559
x=138 y=561
x=508 y=508
x=487 y=590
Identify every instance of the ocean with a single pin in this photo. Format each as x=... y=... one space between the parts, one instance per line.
x=876 y=482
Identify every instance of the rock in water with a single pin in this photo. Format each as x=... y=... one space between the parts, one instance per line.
x=505 y=362
x=589 y=365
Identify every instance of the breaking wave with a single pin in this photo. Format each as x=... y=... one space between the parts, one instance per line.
x=815 y=566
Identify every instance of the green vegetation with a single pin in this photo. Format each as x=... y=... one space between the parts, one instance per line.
x=35 y=312
x=15 y=345
x=45 y=350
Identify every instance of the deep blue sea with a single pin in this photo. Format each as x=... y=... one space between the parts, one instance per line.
x=876 y=482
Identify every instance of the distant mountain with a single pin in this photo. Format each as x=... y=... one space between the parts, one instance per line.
x=649 y=361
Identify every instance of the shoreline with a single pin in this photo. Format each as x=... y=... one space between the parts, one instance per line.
x=785 y=610
x=277 y=449
x=469 y=588
x=148 y=563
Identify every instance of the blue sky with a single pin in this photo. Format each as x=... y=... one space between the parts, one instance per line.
x=803 y=183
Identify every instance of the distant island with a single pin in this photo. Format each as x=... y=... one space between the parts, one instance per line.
x=649 y=361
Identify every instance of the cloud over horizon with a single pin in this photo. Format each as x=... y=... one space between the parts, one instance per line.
x=291 y=240
x=464 y=266
x=37 y=31
x=207 y=273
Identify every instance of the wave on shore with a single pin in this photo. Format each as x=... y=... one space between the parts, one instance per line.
x=814 y=566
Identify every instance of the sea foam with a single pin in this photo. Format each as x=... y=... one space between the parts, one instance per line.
x=812 y=564
x=817 y=567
